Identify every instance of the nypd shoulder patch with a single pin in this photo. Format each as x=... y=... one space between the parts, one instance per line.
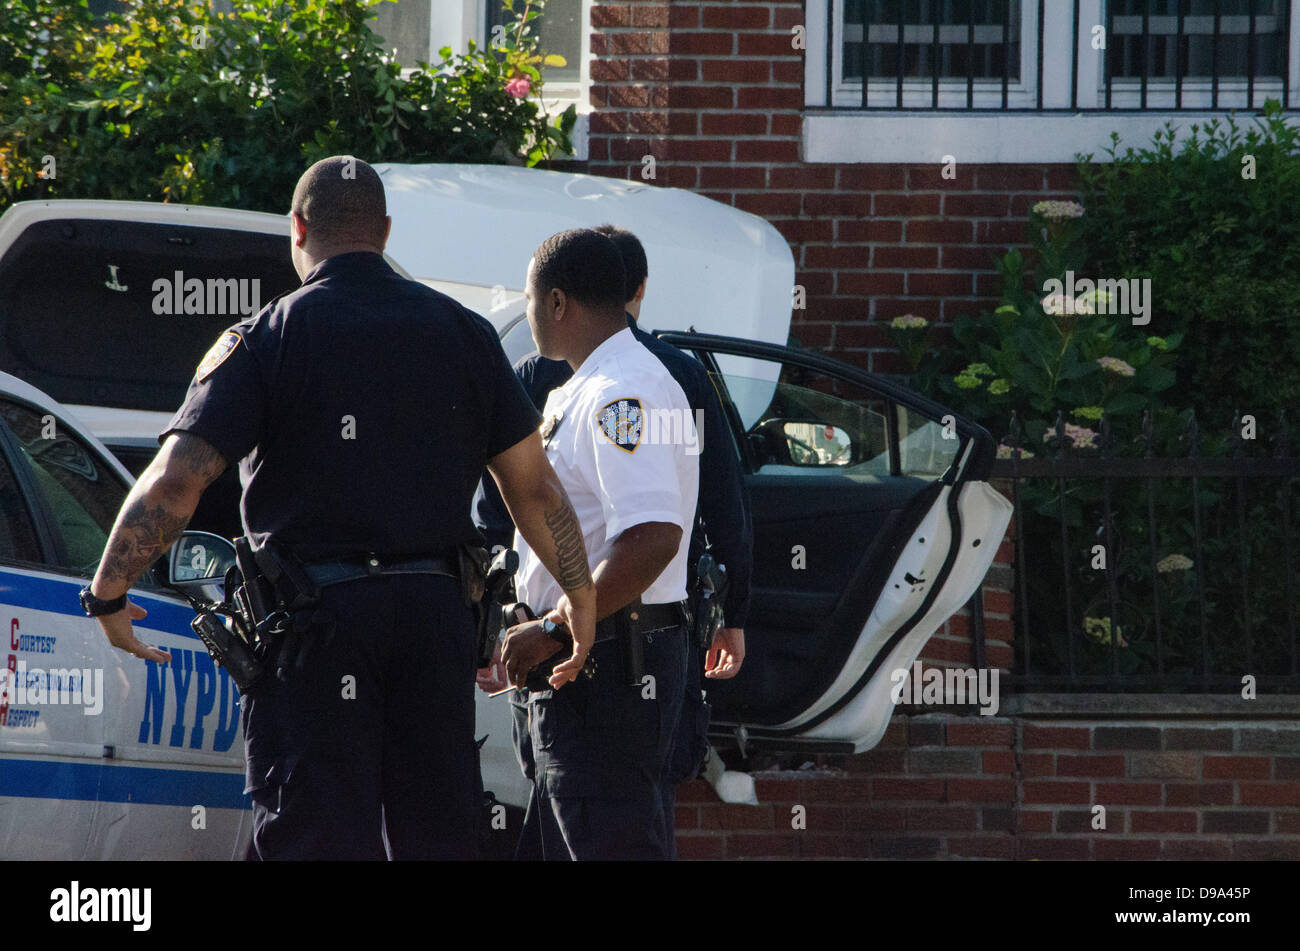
x=621 y=421
x=223 y=348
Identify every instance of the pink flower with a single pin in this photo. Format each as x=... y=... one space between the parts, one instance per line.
x=518 y=87
x=1116 y=365
x=1081 y=437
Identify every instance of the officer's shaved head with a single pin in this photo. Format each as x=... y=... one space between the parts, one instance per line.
x=635 y=268
x=341 y=199
x=586 y=266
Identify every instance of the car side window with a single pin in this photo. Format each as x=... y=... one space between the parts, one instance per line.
x=799 y=421
x=82 y=493
x=927 y=447
x=18 y=540
x=802 y=421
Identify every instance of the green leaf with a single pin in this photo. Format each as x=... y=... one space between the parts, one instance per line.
x=1125 y=403
x=1155 y=378
x=1073 y=370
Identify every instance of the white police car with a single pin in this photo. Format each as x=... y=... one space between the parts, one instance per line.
x=102 y=755
x=872 y=519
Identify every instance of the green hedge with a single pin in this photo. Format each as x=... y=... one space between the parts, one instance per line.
x=1213 y=219
x=171 y=101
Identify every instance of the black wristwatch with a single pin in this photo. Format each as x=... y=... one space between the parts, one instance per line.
x=94 y=607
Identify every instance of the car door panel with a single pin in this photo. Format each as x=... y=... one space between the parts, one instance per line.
x=798 y=644
x=858 y=560
x=51 y=752
x=894 y=636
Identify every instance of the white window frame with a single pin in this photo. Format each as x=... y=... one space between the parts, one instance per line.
x=918 y=91
x=918 y=133
x=455 y=22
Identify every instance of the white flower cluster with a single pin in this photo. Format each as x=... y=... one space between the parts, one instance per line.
x=1058 y=210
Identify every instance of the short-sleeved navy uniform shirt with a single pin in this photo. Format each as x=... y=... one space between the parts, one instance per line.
x=364 y=407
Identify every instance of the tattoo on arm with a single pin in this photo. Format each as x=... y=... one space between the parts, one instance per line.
x=142 y=533
x=198 y=458
x=571 y=553
x=150 y=521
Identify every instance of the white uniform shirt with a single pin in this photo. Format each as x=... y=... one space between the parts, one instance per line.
x=622 y=438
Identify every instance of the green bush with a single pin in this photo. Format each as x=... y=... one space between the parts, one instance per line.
x=1213 y=220
x=1224 y=333
x=170 y=101
x=1048 y=356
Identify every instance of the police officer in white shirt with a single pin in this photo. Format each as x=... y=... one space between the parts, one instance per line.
x=621 y=437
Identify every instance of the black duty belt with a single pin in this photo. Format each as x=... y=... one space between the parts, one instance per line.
x=642 y=618
x=370 y=566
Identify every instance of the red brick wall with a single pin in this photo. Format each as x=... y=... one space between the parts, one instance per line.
x=945 y=786
x=714 y=92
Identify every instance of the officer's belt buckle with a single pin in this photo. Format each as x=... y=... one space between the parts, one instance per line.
x=373 y=567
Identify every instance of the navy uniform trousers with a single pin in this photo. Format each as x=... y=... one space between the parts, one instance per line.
x=691 y=744
x=369 y=751
x=598 y=749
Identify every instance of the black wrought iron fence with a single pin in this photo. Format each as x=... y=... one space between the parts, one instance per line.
x=1139 y=572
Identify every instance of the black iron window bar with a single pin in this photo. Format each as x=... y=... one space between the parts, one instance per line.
x=926 y=39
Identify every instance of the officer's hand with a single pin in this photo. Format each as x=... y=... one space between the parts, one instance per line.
x=578 y=611
x=492 y=678
x=117 y=627
x=526 y=646
x=726 y=654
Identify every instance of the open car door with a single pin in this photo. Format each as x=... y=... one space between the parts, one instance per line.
x=872 y=525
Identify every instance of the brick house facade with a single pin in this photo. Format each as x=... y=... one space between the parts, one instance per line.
x=717 y=94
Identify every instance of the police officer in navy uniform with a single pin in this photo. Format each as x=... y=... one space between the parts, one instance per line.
x=618 y=434
x=364 y=407
x=722 y=526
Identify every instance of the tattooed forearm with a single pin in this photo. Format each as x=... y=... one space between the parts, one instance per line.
x=157 y=510
x=144 y=530
x=197 y=458
x=569 y=548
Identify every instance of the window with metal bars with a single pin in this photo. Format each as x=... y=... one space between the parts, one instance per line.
x=1085 y=54
x=978 y=39
x=1213 y=52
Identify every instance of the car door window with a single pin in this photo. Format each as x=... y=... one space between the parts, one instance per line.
x=81 y=492
x=927 y=447
x=18 y=540
x=799 y=421
x=804 y=427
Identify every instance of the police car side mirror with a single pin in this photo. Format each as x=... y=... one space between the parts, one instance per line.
x=200 y=558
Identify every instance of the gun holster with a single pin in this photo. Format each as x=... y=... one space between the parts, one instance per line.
x=228 y=637
x=485 y=582
x=283 y=603
x=707 y=597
